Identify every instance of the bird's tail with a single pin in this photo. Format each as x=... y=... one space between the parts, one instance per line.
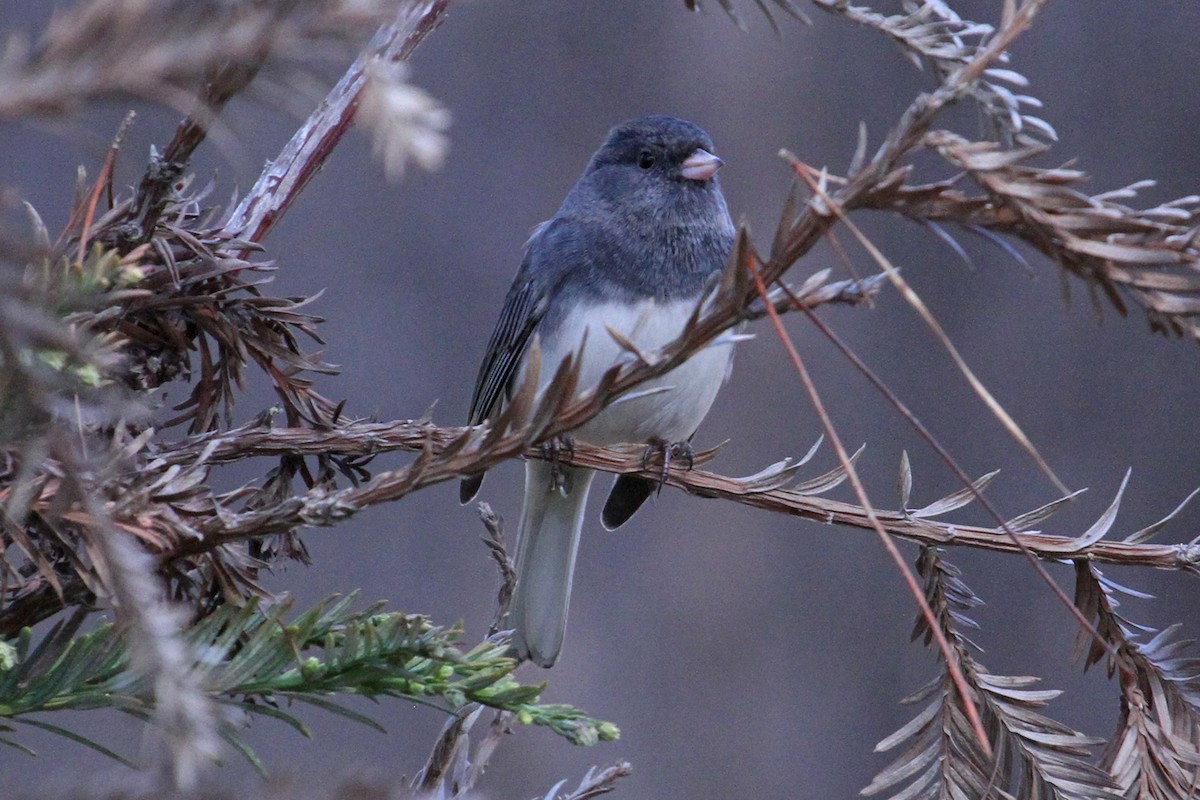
x=551 y=520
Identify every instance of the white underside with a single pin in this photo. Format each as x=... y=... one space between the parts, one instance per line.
x=670 y=407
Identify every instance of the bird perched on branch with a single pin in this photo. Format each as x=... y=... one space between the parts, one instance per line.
x=638 y=243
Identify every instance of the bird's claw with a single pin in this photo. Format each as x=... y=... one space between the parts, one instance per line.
x=669 y=451
x=553 y=450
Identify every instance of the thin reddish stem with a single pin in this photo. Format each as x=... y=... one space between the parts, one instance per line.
x=910 y=579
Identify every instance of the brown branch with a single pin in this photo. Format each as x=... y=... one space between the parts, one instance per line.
x=907 y=136
x=161 y=51
x=194 y=297
x=1152 y=753
x=1150 y=255
x=303 y=156
x=765 y=490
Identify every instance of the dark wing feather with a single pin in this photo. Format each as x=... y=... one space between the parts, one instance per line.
x=522 y=309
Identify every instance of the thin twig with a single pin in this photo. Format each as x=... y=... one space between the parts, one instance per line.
x=910 y=580
x=989 y=400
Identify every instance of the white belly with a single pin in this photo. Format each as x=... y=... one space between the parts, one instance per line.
x=672 y=414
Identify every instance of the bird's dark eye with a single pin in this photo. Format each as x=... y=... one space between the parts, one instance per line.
x=645 y=159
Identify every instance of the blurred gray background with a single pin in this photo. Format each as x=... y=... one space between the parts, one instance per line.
x=743 y=654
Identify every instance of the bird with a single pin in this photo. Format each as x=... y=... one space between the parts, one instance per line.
x=640 y=240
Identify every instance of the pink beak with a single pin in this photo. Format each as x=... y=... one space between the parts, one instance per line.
x=700 y=165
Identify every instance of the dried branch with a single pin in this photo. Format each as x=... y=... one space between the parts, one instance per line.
x=942 y=756
x=1035 y=755
x=764 y=490
x=164 y=51
x=445 y=455
x=1149 y=255
x=499 y=553
x=285 y=177
x=175 y=288
x=174 y=513
x=1155 y=751
x=156 y=280
x=933 y=34
x=594 y=783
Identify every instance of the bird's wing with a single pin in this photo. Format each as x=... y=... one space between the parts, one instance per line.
x=523 y=309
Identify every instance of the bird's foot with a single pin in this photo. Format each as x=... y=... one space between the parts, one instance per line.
x=669 y=451
x=553 y=450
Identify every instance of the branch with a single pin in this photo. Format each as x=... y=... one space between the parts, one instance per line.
x=160 y=51
x=1150 y=255
x=798 y=235
x=1153 y=752
x=444 y=459
x=285 y=177
x=1036 y=756
x=931 y=33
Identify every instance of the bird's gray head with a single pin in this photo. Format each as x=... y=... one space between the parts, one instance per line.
x=663 y=146
x=654 y=164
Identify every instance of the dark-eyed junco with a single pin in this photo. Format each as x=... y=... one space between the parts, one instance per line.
x=637 y=244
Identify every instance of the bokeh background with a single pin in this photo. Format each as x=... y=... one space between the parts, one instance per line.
x=743 y=654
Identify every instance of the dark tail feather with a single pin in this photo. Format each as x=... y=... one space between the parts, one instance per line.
x=469 y=487
x=626 y=497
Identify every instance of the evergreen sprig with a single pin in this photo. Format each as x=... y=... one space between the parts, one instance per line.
x=250 y=658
